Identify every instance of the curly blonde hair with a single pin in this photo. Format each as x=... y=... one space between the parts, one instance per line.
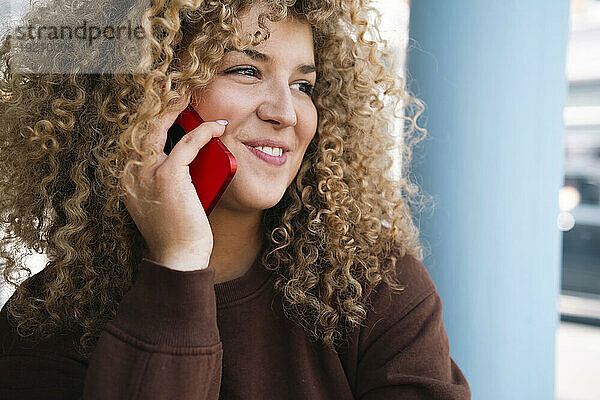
x=68 y=140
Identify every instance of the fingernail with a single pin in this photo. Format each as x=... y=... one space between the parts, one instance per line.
x=222 y=122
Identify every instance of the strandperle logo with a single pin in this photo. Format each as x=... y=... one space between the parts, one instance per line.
x=76 y=37
x=89 y=33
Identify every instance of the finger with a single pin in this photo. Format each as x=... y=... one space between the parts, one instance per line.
x=186 y=150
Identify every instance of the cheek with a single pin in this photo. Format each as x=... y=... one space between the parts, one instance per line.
x=220 y=101
x=306 y=134
x=308 y=126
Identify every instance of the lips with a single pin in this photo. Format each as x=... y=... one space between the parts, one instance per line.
x=268 y=143
x=277 y=161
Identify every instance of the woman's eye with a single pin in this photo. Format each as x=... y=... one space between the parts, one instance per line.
x=305 y=87
x=248 y=71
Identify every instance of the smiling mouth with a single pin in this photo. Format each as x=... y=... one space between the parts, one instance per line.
x=272 y=151
x=273 y=156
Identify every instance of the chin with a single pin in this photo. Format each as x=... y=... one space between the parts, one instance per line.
x=262 y=201
x=251 y=199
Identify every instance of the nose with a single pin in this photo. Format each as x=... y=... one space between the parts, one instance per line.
x=277 y=106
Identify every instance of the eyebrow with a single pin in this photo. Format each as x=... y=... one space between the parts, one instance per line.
x=258 y=56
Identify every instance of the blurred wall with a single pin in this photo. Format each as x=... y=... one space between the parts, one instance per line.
x=493 y=77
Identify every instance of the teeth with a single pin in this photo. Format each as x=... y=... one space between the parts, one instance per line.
x=273 y=151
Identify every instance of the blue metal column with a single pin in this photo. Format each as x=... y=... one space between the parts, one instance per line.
x=492 y=74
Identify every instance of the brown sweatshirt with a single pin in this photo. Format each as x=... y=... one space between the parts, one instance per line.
x=177 y=335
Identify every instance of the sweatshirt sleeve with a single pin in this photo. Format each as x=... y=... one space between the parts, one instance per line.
x=403 y=349
x=164 y=341
x=162 y=344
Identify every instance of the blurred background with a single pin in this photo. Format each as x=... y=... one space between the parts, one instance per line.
x=577 y=340
x=572 y=277
x=578 y=337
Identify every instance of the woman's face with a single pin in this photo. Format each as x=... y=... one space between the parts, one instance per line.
x=264 y=93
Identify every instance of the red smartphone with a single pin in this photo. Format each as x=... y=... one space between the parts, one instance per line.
x=214 y=166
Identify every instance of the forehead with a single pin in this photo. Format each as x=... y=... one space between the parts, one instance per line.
x=287 y=32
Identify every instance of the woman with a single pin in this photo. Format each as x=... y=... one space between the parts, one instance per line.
x=304 y=282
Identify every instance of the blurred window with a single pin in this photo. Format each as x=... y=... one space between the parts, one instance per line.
x=589 y=189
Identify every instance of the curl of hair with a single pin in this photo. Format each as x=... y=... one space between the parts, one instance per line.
x=69 y=139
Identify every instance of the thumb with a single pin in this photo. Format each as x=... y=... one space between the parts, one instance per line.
x=186 y=150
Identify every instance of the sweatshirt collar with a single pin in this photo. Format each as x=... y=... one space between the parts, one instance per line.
x=244 y=287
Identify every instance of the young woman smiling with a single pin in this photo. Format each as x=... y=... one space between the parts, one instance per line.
x=304 y=282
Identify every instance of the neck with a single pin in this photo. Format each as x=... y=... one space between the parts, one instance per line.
x=237 y=241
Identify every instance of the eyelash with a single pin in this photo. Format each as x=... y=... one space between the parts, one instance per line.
x=308 y=87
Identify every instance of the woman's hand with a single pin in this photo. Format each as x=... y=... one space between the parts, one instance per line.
x=176 y=231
